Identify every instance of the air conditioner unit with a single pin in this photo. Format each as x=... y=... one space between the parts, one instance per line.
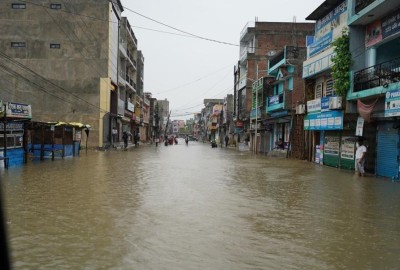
x=301 y=109
x=335 y=103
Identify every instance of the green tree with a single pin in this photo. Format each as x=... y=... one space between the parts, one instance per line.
x=341 y=64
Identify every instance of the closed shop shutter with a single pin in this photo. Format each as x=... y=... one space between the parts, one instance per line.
x=387 y=151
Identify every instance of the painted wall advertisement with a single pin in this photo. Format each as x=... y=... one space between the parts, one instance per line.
x=392 y=103
x=373 y=34
x=328 y=28
x=332 y=145
x=347 y=148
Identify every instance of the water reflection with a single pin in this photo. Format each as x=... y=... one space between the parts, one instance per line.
x=197 y=207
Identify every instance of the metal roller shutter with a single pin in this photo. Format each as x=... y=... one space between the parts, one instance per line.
x=387 y=151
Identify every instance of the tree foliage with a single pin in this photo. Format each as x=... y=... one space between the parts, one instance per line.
x=341 y=64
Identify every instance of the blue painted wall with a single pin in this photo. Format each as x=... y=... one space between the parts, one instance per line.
x=15 y=157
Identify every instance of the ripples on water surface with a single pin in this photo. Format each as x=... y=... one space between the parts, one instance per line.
x=197 y=207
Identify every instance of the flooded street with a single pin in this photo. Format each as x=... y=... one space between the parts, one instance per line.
x=197 y=207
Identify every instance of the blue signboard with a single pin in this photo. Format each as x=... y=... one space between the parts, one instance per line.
x=321 y=44
x=392 y=103
x=391 y=24
x=325 y=104
x=279 y=114
x=253 y=113
x=331 y=120
x=273 y=100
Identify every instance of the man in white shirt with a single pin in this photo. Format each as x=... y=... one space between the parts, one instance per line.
x=360 y=157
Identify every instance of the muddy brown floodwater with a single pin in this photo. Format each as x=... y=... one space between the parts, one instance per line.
x=197 y=207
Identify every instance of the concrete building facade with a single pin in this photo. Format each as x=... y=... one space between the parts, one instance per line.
x=70 y=67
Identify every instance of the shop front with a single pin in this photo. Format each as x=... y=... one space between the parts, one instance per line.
x=337 y=146
x=13 y=117
x=281 y=129
x=388 y=137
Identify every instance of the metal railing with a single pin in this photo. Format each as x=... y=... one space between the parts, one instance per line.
x=378 y=75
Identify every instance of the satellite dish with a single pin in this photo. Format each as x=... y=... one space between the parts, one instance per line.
x=271 y=53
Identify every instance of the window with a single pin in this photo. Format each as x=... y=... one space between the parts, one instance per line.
x=55 y=46
x=55 y=6
x=18 y=45
x=318 y=90
x=18 y=6
x=330 y=91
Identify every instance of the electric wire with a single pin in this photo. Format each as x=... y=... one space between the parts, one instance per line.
x=40 y=77
x=179 y=30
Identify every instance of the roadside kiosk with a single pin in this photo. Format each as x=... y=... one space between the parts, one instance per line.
x=13 y=117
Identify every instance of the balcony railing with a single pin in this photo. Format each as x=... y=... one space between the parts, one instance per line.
x=378 y=75
x=361 y=4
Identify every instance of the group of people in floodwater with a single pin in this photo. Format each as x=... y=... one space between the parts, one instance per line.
x=125 y=137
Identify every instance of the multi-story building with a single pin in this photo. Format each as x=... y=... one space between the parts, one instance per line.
x=153 y=130
x=125 y=98
x=258 y=42
x=69 y=67
x=374 y=28
x=197 y=126
x=330 y=136
x=284 y=90
x=210 y=119
x=163 y=112
x=227 y=125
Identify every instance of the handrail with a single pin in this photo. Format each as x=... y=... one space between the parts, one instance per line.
x=378 y=75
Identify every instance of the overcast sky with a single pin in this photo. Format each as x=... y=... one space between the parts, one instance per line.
x=186 y=70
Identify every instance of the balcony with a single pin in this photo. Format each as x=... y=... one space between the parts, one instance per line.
x=361 y=4
x=244 y=34
x=378 y=75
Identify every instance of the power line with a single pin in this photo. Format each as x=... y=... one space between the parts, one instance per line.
x=179 y=30
x=194 y=81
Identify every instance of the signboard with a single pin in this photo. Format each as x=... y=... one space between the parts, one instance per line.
x=347 y=148
x=320 y=45
x=273 y=100
x=314 y=106
x=391 y=24
x=253 y=114
x=130 y=106
x=373 y=33
x=392 y=103
x=328 y=28
x=12 y=126
x=360 y=126
x=18 y=110
x=318 y=65
x=325 y=104
x=332 y=120
x=331 y=146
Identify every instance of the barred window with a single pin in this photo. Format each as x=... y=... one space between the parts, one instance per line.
x=318 y=90
x=55 y=6
x=18 y=6
x=55 y=46
x=330 y=91
x=18 y=45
